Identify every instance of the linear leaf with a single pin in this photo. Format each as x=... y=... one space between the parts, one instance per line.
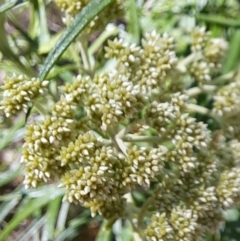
x=134 y=24
x=104 y=233
x=28 y=207
x=73 y=30
x=8 y=5
x=232 y=58
x=52 y=214
x=32 y=229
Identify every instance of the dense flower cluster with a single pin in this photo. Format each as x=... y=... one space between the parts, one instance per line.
x=208 y=54
x=132 y=128
x=19 y=92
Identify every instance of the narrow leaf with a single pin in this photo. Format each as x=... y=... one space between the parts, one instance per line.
x=134 y=24
x=104 y=233
x=233 y=55
x=7 y=208
x=73 y=30
x=28 y=207
x=52 y=214
x=6 y=49
x=32 y=229
x=8 y=5
x=218 y=19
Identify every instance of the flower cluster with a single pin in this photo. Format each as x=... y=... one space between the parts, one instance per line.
x=208 y=55
x=19 y=92
x=148 y=66
x=134 y=127
x=227 y=106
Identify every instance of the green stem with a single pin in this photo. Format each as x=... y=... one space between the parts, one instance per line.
x=134 y=138
x=199 y=109
x=101 y=39
x=226 y=77
x=182 y=65
x=83 y=46
x=198 y=90
x=204 y=111
x=143 y=211
x=40 y=108
x=216 y=19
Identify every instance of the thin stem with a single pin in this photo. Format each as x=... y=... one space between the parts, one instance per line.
x=83 y=46
x=101 y=39
x=198 y=90
x=216 y=19
x=134 y=138
x=182 y=66
x=199 y=109
x=40 y=108
x=226 y=77
x=204 y=111
x=144 y=210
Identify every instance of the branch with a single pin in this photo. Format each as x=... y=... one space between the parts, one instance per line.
x=198 y=90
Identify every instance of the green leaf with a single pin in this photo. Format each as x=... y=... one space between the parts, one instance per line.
x=6 y=49
x=133 y=23
x=233 y=55
x=217 y=19
x=231 y=215
x=104 y=233
x=127 y=232
x=73 y=30
x=32 y=229
x=74 y=226
x=52 y=214
x=7 y=207
x=8 y=176
x=8 y=5
x=43 y=35
x=45 y=47
x=29 y=206
x=10 y=135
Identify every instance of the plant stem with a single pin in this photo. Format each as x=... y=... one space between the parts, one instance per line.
x=216 y=19
x=143 y=211
x=199 y=109
x=204 y=111
x=40 y=108
x=182 y=65
x=198 y=90
x=84 y=54
x=101 y=39
x=225 y=77
x=134 y=138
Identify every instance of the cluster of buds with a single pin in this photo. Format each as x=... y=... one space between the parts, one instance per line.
x=227 y=107
x=208 y=55
x=136 y=131
x=19 y=93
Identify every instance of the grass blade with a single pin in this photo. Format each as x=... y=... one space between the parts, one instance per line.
x=105 y=233
x=8 y=5
x=233 y=55
x=218 y=19
x=73 y=30
x=7 y=207
x=32 y=229
x=52 y=214
x=134 y=24
x=11 y=134
x=62 y=216
x=28 y=207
